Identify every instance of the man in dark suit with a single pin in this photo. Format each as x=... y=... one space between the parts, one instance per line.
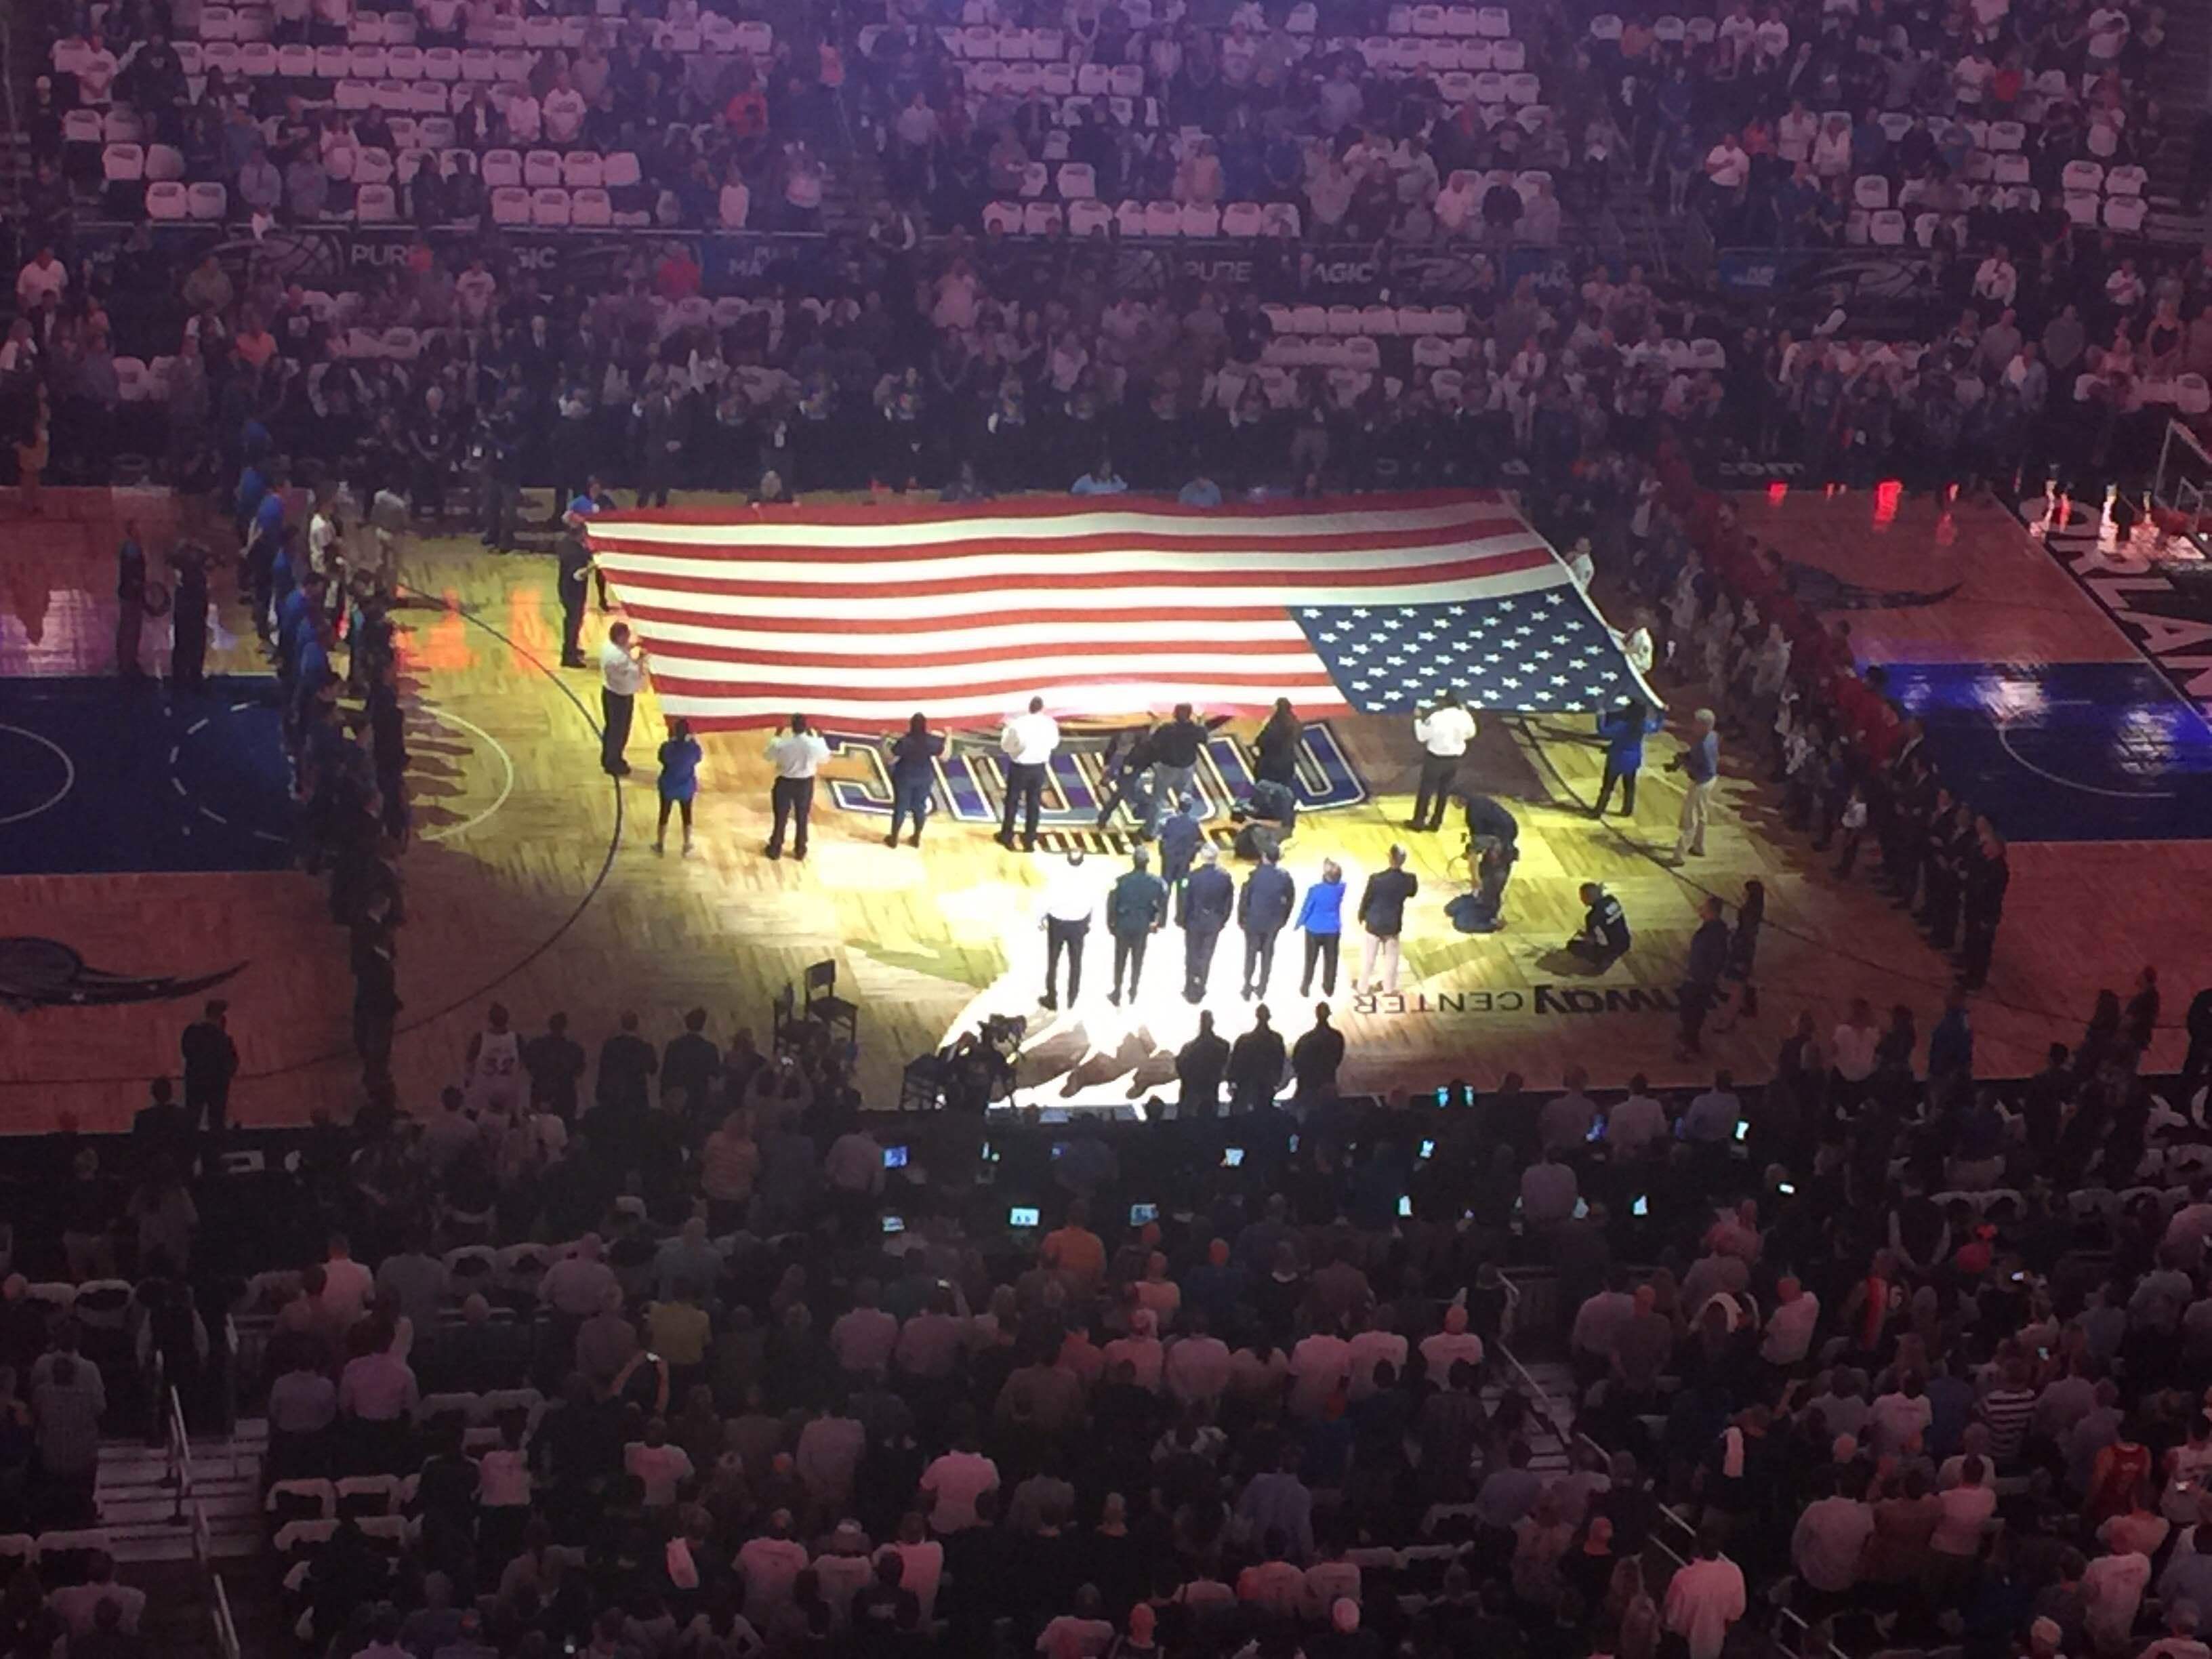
x=1205 y=905
x=1179 y=840
x=1199 y=1066
x=1131 y=778
x=1136 y=908
x=1383 y=912
x=1263 y=908
x=1701 y=981
x=572 y=581
x=1316 y=1057
x=1256 y=1065
x=1982 y=902
x=211 y=1060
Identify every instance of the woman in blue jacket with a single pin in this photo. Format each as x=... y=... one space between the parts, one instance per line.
x=1321 y=916
x=679 y=781
x=1624 y=730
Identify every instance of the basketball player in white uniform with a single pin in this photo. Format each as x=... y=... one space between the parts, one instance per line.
x=495 y=1077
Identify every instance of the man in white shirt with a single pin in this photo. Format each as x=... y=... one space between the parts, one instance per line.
x=525 y=118
x=1900 y=1418
x=565 y=109
x=796 y=755
x=46 y=277
x=1070 y=896
x=1968 y=1509
x=1737 y=28
x=1443 y=732
x=1790 y=1328
x=347 y=1285
x=622 y=671
x=325 y=549
x=474 y=290
x=2108 y=33
x=853 y=1167
x=78 y=1605
x=1704 y=1598
x=580 y=1283
x=1549 y=1192
x=1027 y=744
x=803 y=180
x=2111 y=1595
x=1318 y=1364
x=1459 y=203
x=1378 y=1345
x=1853 y=1043
x=1197 y=1368
x=1727 y=168
x=769 y=1565
x=736 y=203
x=951 y=1484
x=1597 y=1321
x=1637 y=1123
x=1795 y=132
x=1998 y=280
x=660 y=1468
x=1443 y=1349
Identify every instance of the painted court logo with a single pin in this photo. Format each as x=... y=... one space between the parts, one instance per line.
x=971 y=788
x=2137 y=591
x=45 y=973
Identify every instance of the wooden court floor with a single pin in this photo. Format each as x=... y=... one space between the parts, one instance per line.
x=533 y=881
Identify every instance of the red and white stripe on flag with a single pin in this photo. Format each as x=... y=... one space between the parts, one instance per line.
x=863 y=615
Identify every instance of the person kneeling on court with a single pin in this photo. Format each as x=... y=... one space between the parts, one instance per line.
x=1605 y=937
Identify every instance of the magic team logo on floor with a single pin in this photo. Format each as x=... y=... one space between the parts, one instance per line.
x=2111 y=743
x=2152 y=583
x=45 y=973
x=971 y=787
x=1824 y=590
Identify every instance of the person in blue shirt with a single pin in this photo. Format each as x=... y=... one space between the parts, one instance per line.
x=1605 y=937
x=295 y=615
x=1320 y=918
x=283 y=575
x=1201 y=491
x=1951 y=1044
x=264 y=534
x=594 y=500
x=1701 y=764
x=252 y=488
x=680 y=782
x=313 y=671
x=913 y=777
x=129 y=602
x=1101 y=480
x=1180 y=837
x=1624 y=730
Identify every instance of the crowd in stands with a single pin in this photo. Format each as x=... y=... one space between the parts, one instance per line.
x=990 y=362
x=620 y=1355
x=667 y=1350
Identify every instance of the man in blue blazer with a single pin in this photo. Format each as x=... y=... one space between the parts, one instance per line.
x=1203 y=908
x=1263 y=909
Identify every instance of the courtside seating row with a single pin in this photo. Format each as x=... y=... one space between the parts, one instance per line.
x=254 y=25
x=550 y=207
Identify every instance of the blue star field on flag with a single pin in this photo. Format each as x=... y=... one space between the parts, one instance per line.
x=1543 y=652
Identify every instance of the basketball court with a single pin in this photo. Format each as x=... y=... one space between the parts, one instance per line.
x=144 y=844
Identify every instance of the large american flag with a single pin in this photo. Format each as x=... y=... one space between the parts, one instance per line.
x=862 y=615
